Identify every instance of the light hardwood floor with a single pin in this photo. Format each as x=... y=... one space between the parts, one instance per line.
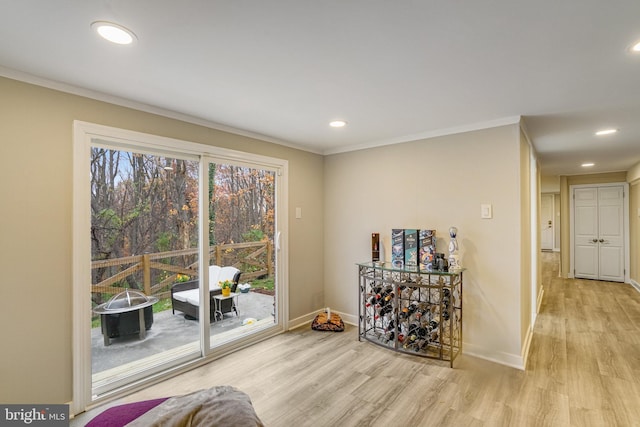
x=583 y=370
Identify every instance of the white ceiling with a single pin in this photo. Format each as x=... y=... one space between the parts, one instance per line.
x=395 y=70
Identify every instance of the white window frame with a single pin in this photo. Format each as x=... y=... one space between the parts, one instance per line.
x=84 y=134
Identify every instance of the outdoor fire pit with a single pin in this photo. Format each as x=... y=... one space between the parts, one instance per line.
x=130 y=312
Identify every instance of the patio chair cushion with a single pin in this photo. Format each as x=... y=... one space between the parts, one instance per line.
x=214 y=272
x=187 y=298
x=226 y=273
x=192 y=296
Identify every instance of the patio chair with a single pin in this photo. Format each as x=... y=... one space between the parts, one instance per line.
x=185 y=297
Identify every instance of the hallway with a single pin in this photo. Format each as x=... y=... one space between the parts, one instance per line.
x=585 y=351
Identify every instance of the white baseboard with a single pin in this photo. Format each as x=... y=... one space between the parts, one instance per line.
x=526 y=346
x=507 y=359
x=349 y=318
x=302 y=320
x=539 y=300
x=635 y=284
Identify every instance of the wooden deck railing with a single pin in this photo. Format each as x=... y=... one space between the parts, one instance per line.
x=154 y=273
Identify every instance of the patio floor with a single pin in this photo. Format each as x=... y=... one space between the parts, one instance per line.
x=170 y=331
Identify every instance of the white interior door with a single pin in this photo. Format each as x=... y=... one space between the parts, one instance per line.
x=546 y=222
x=586 y=232
x=599 y=233
x=611 y=233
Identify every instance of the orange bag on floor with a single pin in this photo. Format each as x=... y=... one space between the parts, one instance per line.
x=322 y=323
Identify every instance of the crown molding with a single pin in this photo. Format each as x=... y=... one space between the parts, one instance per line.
x=140 y=106
x=128 y=103
x=428 y=134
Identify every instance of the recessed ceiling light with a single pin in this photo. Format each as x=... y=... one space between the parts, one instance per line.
x=338 y=123
x=587 y=165
x=113 y=32
x=635 y=47
x=606 y=132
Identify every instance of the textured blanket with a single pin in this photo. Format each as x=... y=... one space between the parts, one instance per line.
x=218 y=406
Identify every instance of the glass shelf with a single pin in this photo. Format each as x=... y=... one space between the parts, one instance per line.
x=387 y=266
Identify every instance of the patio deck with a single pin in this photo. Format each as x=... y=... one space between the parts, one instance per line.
x=171 y=331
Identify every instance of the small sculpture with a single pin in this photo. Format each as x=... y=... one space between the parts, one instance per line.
x=454 y=261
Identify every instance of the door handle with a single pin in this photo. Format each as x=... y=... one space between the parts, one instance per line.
x=595 y=240
x=601 y=240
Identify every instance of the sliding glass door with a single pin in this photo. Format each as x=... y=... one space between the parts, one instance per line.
x=170 y=224
x=241 y=234
x=144 y=245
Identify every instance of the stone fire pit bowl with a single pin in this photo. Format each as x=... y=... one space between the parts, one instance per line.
x=127 y=313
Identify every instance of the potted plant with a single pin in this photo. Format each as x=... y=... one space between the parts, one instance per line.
x=226 y=287
x=181 y=278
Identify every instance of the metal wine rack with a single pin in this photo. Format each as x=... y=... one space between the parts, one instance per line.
x=411 y=310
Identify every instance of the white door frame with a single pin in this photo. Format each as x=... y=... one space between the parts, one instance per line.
x=81 y=251
x=625 y=186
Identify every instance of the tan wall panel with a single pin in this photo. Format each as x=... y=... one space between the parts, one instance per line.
x=549 y=184
x=634 y=231
x=36 y=193
x=633 y=177
x=435 y=183
x=525 y=236
x=633 y=174
x=556 y=221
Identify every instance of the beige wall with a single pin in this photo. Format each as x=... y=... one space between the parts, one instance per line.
x=35 y=229
x=556 y=220
x=549 y=184
x=525 y=236
x=633 y=174
x=633 y=177
x=565 y=183
x=436 y=183
x=634 y=231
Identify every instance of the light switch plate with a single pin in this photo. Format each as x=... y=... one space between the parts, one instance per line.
x=298 y=213
x=486 y=211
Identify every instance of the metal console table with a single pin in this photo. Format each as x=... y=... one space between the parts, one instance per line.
x=411 y=310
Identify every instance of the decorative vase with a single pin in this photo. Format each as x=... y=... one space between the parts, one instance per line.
x=226 y=292
x=454 y=258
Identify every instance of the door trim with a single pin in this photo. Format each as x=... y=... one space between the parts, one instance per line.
x=83 y=133
x=627 y=259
